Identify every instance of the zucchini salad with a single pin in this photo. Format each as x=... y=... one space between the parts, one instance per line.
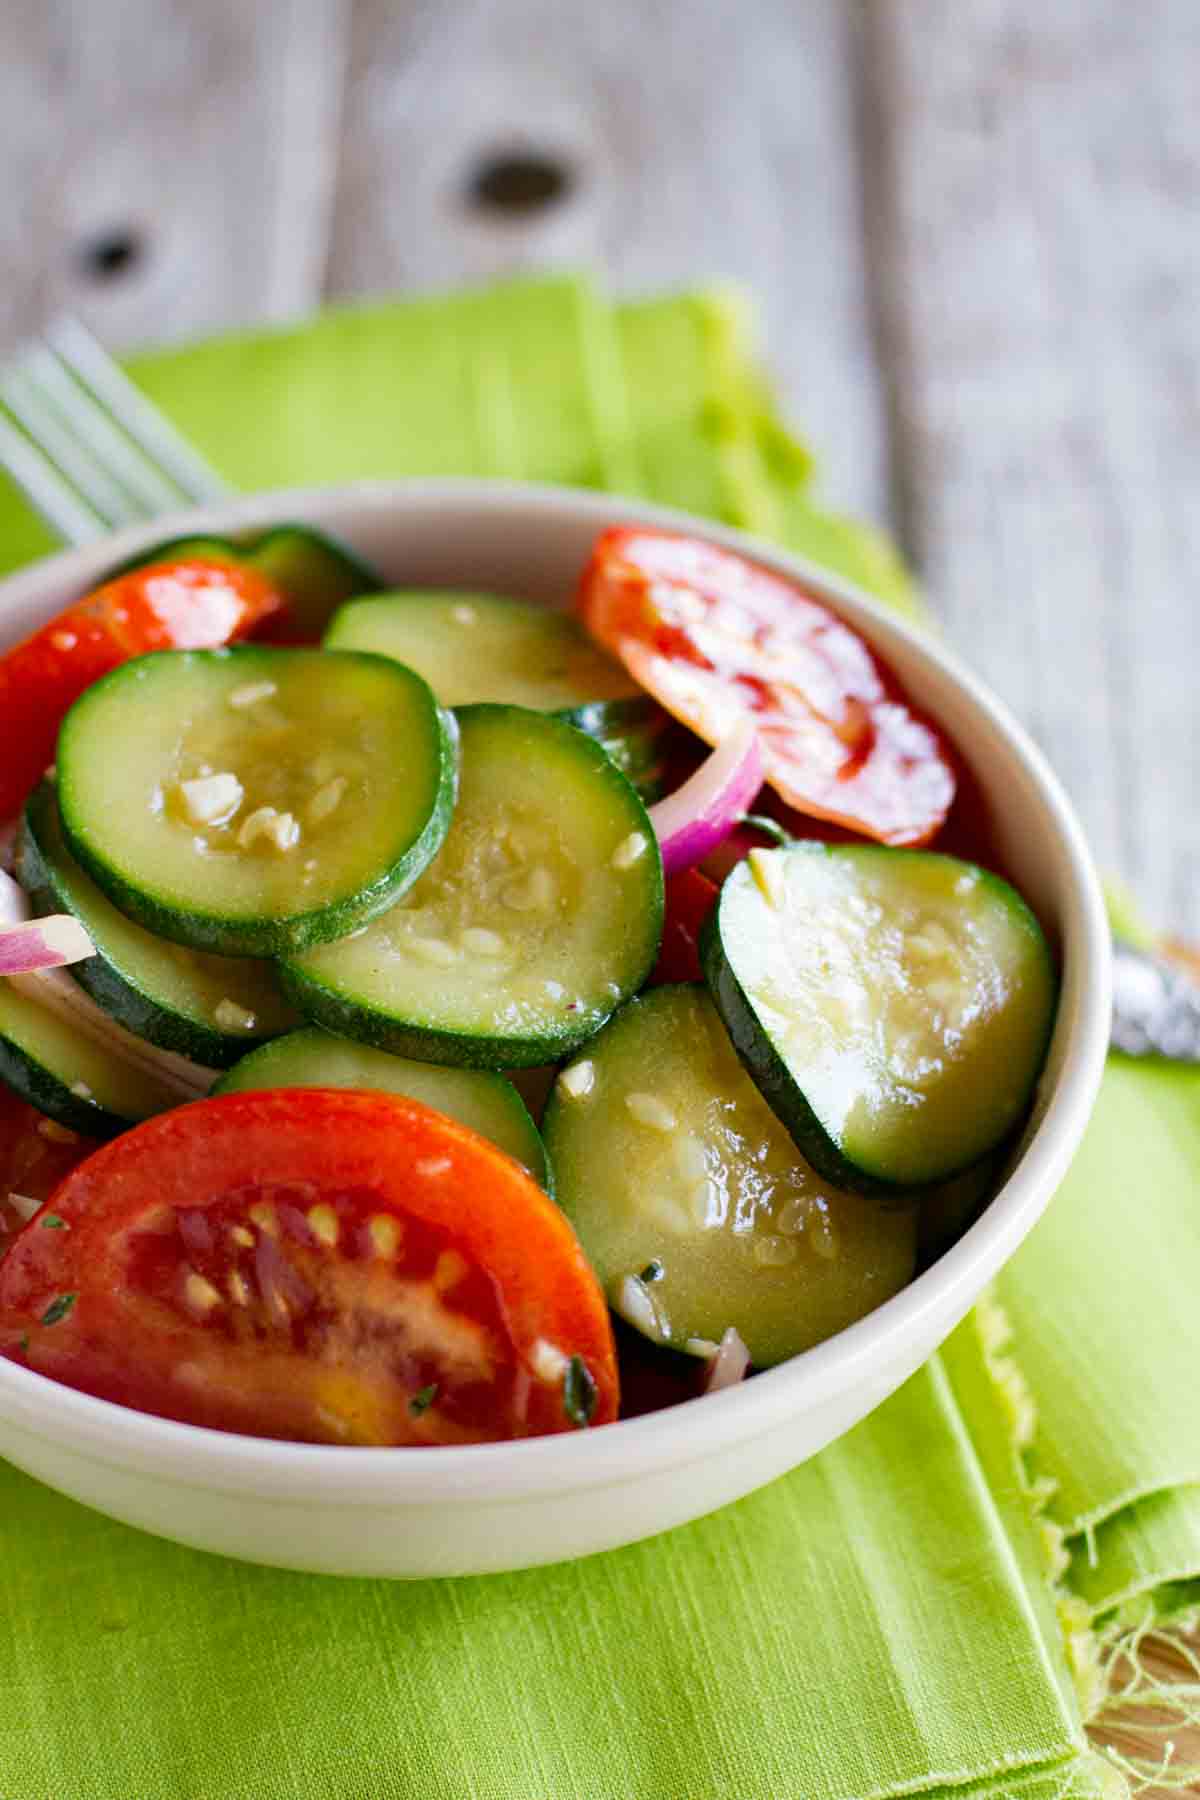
x=436 y=1018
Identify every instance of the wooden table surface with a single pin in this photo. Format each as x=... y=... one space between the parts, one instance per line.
x=972 y=225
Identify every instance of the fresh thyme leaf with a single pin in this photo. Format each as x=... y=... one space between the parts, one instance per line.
x=24 y=1340
x=653 y=1271
x=58 y=1309
x=579 y=1393
x=52 y=1222
x=424 y=1400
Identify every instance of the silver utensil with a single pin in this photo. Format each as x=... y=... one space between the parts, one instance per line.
x=87 y=449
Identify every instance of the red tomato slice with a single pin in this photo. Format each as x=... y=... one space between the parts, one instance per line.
x=714 y=637
x=689 y=898
x=314 y=1264
x=190 y=605
x=35 y=1154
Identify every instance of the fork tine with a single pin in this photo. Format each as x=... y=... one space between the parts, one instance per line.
x=93 y=430
x=153 y=433
x=46 y=426
x=45 y=489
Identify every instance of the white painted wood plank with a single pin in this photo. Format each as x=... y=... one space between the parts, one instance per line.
x=713 y=140
x=206 y=130
x=1034 y=227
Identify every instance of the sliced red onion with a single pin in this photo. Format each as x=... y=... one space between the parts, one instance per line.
x=730 y=1365
x=56 y=991
x=43 y=944
x=14 y=902
x=699 y=815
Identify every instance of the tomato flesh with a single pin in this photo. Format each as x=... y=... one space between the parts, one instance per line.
x=715 y=637
x=320 y=1265
x=192 y=605
x=35 y=1155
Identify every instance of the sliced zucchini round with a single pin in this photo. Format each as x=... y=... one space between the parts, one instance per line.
x=477 y=1098
x=894 y=1006
x=209 y=1008
x=483 y=647
x=542 y=913
x=253 y=801
x=71 y=1078
x=691 y=1201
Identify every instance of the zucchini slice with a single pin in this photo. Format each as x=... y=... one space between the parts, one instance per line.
x=252 y=801
x=209 y=1008
x=483 y=1101
x=542 y=913
x=482 y=647
x=690 y=1198
x=79 y=1081
x=894 y=1006
x=314 y=572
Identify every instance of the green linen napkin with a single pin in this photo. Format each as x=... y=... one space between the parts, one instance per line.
x=913 y=1612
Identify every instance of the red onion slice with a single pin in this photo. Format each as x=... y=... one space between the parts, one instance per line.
x=43 y=944
x=699 y=815
x=60 y=994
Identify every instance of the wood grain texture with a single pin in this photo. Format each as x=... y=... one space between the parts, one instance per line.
x=1034 y=195
x=704 y=140
x=204 y=128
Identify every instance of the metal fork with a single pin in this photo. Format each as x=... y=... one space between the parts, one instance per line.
x=87 y=449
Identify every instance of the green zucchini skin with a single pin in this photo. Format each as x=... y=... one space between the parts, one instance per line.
x=41 y=1087
x=480 y=1099
x=47 y=1059
x=783 y=1087
x=113 y=978
x=341 y=988
x=83 y=744
x=316 y=573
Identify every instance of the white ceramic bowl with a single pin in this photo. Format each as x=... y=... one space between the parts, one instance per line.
x=506 y=1506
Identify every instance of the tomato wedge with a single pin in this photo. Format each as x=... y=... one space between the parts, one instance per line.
x=713 y=637
x=35 y=1154
x=192 y=605
x=316 y=1264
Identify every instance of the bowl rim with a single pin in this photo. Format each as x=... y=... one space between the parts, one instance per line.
x=676 y=1435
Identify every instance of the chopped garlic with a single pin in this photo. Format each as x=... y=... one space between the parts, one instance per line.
x=649 y=1110
x=579 y=1080
x=549 y=1363
x=464 y=615
x=251 y=692
x=23 y=1206
x=229 y=1016
x=327 y=799
x=630 y=1298
x=281 y=828
x=630 y=850
x=212 y=799
x=82 y=1091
